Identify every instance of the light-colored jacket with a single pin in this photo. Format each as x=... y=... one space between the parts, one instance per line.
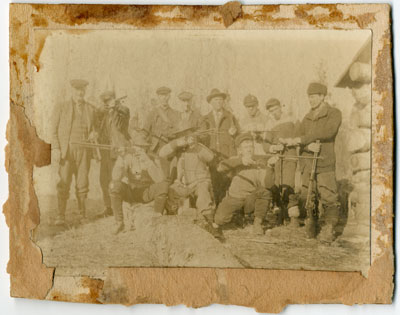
x=62 y=130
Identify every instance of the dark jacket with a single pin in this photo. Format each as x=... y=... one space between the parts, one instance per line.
x=160 y=124
x=323 y=127
x=221 y=142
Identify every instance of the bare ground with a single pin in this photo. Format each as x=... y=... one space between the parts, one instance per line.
x=150 y=240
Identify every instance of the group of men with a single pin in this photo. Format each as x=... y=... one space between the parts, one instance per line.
x=234 y=173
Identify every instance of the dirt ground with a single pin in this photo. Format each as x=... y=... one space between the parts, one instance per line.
x=177 y=241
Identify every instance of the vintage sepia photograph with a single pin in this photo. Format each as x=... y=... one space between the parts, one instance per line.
x=204 y=148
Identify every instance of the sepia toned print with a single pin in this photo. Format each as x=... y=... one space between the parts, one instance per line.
x=176 y=148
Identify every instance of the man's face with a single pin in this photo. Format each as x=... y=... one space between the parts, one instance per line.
x=252 y=110
x=246 y=148
x=276 y=112
x=187 y=105
x=362 y=94
x=163 y=99
x=217 y=103
x=315 y=100
x=78 y=95
x=108 y=102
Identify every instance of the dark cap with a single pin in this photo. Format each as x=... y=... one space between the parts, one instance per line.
x=250 y=100
x=215 y=93
x=107 y=95
x=272 y=102
x=79 y=84
x=185 y=96
x=316 y=88
x=163 y=90
x=243 y=137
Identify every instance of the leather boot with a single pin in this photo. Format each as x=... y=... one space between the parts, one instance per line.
x=116 y=204
x=62 y=205
x=327 y=234
x=82 y=210
x=257 y=227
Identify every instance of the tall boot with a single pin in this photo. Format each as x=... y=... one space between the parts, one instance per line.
x=82 y=209
x=116 y=205
x=62 y=205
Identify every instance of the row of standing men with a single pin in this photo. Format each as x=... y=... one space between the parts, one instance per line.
x=223 y=168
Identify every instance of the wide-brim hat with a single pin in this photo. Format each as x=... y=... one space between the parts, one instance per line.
x=215 y=93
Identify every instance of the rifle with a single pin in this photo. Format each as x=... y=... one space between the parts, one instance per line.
x=131 y=149
x=310 y=204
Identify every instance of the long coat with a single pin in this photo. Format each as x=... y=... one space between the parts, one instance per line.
x=221 y=142
x=324 y=127
x=62 y=130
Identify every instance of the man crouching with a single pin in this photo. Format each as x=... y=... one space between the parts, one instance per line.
x=252 y=181
x=136 y=178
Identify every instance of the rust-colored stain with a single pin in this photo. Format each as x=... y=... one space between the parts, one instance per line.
x=31 y=279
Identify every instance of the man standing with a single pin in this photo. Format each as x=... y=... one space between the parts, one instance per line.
x=255 y=121
x=251 y=185
x=162 y=121
x=112 y=118
x=190 y=117
x=321 y=123
x=75 y=123
x=221 y=141
x=282 y=126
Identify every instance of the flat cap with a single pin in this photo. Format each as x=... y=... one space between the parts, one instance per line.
x=250 y=100
x=163 y=90
x=272 y=102
x=185 y=96
x=79 y=84
x=316 y=88
x=215 y=93
x=107 y=95
x=243 y=137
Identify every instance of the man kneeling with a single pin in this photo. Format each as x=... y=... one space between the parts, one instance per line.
x=136 y=178
x=251 y=181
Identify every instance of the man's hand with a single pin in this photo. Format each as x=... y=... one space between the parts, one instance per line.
x=272 y=161
x=93 y=136
x=190 y=140
x=181 y=142
x=55 y=156
x=232 y=131
x=290 y=141
x=247 y=160
x=314 y=147
x=276 y=148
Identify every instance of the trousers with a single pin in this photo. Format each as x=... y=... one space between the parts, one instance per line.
x=257 y=202
x=120 y=192
x=77 y=163
x=326 y=189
